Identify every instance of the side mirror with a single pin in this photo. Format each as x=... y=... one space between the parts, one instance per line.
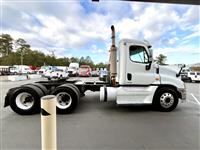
x=148 y=66
x=150 y=55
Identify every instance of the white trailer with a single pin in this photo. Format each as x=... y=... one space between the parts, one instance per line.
x=134 y=78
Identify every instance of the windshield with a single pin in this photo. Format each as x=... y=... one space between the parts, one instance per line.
x=72 y=68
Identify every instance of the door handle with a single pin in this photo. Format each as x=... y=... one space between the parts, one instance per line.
x=129 y=76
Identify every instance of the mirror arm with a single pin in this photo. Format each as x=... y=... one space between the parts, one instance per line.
x=179 y=73
x=148 y=66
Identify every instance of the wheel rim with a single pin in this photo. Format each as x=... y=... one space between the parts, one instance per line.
x=166 y=100
x=24 y=101
x=64 y=100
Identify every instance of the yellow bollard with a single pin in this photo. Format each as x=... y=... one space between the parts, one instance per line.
x=48 y=122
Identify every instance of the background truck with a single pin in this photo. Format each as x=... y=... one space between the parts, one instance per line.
x=44 y=69
x=5 y=70
x=85 y=71
x=193 y=76
x=73 y=69
x=21 y=69
x=103 y=74
x=58 y=74
x=134 y=78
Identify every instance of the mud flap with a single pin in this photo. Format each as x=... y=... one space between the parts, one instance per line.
x=6 y=103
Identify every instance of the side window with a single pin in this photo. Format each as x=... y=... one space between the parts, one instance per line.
x=138 y=54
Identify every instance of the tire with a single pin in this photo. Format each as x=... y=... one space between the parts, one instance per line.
x=165 y=100
x=21 y=94
x=8 y=96
x=67 y=98
x=75 y=88
x=42 y=87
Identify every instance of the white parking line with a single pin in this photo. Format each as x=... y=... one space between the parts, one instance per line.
x=193 y=102
x=195 y=98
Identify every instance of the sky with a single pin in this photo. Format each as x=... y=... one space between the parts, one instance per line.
x=80 y=28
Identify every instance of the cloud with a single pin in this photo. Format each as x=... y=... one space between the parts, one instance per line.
x=191 y=15
x=68 y=26
x=179 y=50
x=96 y=50
x=151 y=25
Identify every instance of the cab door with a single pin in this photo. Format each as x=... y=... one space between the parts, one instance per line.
x=137 y=72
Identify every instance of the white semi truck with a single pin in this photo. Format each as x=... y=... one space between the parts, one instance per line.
x=73 y=69
x=133 y=79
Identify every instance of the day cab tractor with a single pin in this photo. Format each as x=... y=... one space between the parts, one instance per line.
x=134 y=78
x=84 y=71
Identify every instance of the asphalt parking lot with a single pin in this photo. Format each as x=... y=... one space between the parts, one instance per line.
x=103 y=126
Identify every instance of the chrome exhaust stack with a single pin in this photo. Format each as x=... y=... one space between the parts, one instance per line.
x=113 y=59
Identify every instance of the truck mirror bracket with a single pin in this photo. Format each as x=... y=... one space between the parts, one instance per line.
x=148 y=66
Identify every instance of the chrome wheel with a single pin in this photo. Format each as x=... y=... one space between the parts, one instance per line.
x=166 y=100
x=64 y=100
x=24 y=101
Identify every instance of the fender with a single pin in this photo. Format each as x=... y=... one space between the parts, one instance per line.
x=6 y=103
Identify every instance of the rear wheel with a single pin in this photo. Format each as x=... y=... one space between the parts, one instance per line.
x=67 y=98
x=42 y=87
x=166 y=99
x=26 y=100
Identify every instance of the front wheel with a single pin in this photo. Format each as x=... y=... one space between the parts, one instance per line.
x=165 y=100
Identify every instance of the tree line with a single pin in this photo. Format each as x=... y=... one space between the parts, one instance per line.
x=19 y=52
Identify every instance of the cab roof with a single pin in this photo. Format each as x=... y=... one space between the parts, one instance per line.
x=136 y=42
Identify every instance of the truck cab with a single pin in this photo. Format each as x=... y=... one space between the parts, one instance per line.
x=141 y=81
x=84 y=71
x=135 y=63
x=73 y=69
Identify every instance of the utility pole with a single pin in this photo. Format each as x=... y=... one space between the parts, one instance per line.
x=22 y=57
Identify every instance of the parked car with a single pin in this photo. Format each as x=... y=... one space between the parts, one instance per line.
x=58 y=74
x=84 y=71
x=103 y=74
x=45 y=70
x=95 y=73
x=194 y=76
x=47 y=73
x=184 y=75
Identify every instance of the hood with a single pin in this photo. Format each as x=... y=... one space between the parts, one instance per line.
x=167 y=70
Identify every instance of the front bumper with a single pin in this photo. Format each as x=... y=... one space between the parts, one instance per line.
x=182 y=92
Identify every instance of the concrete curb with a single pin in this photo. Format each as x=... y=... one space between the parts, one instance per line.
x=17 y=77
